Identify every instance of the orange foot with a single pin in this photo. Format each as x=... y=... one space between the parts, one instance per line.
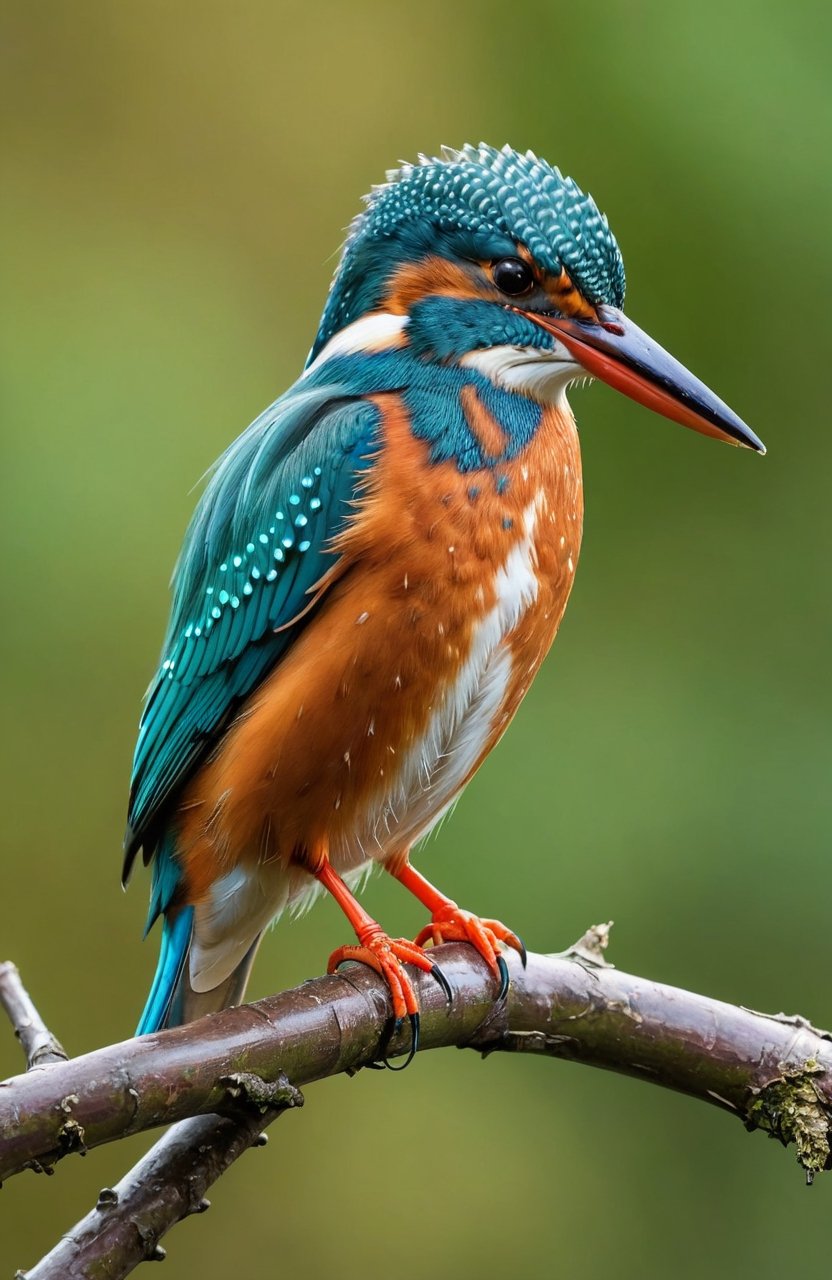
x=449 y=923
x=388 y=956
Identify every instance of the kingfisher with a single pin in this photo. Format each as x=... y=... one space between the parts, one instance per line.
x=376 y=569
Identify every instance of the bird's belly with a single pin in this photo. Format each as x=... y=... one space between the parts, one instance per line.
x=467 y=710
x=436 y=766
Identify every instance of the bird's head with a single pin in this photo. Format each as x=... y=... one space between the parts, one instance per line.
x=492 y=259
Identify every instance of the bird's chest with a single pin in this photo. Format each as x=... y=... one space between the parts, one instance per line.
x=475 y=572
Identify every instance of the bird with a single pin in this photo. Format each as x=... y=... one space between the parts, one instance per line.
x=376 y=569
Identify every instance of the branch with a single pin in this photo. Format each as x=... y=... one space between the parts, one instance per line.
x=229 y=1073
x=38 y=1043
x=774 y=1073
x=168 y=1184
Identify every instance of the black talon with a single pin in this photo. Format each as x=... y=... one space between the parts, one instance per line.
x=413 y=1019
x=439 y=975
x=503 y=967
x=392 y=1029
x=524 y=955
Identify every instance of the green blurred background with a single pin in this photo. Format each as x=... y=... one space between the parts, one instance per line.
x=176 y=177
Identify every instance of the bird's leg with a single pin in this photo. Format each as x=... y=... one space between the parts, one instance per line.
x=450 y=923
x=381 y=952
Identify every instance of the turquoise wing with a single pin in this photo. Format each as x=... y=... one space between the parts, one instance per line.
x=257 y=545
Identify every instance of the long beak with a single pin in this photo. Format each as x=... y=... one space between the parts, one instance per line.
x=622 y=355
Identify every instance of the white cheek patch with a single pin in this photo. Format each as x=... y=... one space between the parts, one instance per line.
x=543 y=376
x=372 y=332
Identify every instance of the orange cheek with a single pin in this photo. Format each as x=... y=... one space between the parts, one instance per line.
x=431 y=277
x=435 y=276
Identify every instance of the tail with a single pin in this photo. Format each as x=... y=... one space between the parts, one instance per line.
x=172 y=1000
x=160 y=1010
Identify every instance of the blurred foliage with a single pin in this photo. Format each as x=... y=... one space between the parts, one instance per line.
x=175 y=177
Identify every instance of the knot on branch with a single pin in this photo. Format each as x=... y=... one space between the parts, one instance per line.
x=107 y=1199
x=71 y=1133
x=589 y=949
x=529 y=1042
x=265 y=1095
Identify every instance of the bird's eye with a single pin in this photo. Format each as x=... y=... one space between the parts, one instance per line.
x=513 y=276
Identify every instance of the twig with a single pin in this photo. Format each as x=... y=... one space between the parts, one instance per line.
x=167 y=1185
x=37 y=1041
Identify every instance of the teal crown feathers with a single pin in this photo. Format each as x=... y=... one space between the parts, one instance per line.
x=480 y=203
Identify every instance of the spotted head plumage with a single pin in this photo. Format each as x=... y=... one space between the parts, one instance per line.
x=493 y=261
x=475 y=205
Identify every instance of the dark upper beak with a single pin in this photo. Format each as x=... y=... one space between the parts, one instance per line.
x=619 y=353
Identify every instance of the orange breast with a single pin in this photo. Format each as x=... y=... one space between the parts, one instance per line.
x=315 y=761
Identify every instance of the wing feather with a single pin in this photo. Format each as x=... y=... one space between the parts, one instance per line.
x=258 y=544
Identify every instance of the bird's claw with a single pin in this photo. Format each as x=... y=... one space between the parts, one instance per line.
x=439 y=975
x=451 y=924
x=388 y=957
x=413 y=1019
x=504 y=979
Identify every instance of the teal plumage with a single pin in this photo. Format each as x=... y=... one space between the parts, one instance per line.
x=477 y=203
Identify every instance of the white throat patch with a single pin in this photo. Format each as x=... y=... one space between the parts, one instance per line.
x=541 y=375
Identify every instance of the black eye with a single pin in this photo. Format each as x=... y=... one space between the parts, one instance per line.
x=513 y=276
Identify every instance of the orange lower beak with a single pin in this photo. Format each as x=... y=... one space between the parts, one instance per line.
x=622 y=355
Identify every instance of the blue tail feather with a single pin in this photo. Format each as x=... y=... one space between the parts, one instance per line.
x=176 y=939
x=172 y=999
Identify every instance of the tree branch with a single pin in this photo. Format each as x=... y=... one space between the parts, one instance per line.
x=229 y=1073
x=38 y=1043
x=168 y=1184
x=772 y=1072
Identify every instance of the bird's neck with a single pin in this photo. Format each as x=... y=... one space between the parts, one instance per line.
x=456 y=398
